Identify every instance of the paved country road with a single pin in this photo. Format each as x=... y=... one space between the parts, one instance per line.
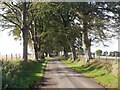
x=58 y=75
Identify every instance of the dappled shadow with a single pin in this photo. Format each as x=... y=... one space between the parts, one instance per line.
x=44 y=82
x=88 y=67
x=47 y=70
x=84 y=69
x=99 y=75
x=45 y=79
x=60 y=72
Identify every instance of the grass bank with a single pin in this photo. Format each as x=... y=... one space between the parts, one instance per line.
x=19 y=74
x=100 y=72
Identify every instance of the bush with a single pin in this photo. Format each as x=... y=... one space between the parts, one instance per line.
x=20 y=74
x=99 y=52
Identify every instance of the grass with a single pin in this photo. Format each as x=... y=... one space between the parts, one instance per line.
x=19 y=74
x=49 y=58
x=100 y=72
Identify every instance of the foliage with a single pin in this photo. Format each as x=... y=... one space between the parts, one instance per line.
x=105 y=53
x=19 y=74
x=51 y=27
x=98 y=52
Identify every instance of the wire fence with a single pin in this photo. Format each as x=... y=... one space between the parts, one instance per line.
x=14 y=57
x=104 y=59
x=107 y=59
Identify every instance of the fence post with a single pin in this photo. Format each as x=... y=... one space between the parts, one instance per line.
x=99 y=57
x=93 y=56
x=106 y=58
x=115 y=56
x=11 y=56
x=6 y=57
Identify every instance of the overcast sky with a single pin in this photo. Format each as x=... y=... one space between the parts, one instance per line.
x=8 y=45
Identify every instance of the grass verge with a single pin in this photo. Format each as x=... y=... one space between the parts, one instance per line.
x=20 y=74
x=100 y=72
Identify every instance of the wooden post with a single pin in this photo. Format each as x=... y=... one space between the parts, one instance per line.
x=11 y=56
x=116 y=56
x=106 y=58
x=116 y=59
x=99 y=57
x=6 y=57
x=93 y=56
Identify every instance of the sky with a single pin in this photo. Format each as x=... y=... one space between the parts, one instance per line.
x=112 y=46
x=9 y=46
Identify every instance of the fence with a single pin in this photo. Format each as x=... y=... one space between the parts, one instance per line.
x=107 y=59
x=14 y=57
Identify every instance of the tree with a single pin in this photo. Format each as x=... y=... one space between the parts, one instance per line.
x=64 y=15
x=94 y=24
x=16 y=13
x=24 y=31
x=105 y=53
x=86 y=16
x=99 y=52
x=54 y=27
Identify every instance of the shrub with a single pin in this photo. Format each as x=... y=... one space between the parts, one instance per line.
x=20 y=74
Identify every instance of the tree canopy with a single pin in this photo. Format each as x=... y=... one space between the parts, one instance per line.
x=52 y=27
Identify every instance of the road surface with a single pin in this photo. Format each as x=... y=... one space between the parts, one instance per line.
x=58 y=75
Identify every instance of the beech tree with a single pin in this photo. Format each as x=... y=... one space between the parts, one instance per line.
x=16 y=13
x=54 y=27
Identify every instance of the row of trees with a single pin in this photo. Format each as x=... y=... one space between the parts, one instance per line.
x=106 y=53
x=53 y=27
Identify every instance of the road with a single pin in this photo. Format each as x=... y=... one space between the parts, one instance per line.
x=58 y=75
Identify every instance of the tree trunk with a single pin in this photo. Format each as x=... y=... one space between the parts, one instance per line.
x=57 y=53
x=73 y=54
x=25 y=48
x=86 y=45
x=36 y=50
x=73 y=51
x=42 y=56
x=65 y=53
x=35 y=41
x=24 y=32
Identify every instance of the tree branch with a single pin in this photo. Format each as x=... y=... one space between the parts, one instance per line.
x=5 y=17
